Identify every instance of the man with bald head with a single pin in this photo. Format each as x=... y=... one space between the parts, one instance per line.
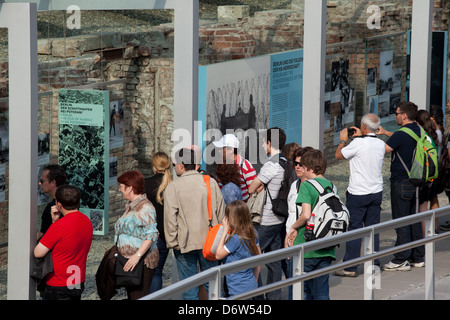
x=365 y=188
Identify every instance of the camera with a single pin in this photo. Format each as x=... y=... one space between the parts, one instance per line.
x=350 y=131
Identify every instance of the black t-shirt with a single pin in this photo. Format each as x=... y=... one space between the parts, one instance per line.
x=404 y=145
x=151 y=188
x=46 y=219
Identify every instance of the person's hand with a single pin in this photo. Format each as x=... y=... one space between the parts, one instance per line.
x=343 y=135
x=131 y=263
x=358 y=132
x=290 y=237
x=55 y=213
x=381 y=131
x=225 y=224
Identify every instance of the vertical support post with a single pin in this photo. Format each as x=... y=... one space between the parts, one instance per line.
x=369 y=267
x=314 y=73
x=421 y=35
x=186 y=70
x=214 y=286
x=21 y=21
x=429 y=258
x=297 y=265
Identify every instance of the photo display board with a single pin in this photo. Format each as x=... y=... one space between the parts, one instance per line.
x=84 y=150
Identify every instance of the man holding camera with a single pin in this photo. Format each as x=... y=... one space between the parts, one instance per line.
x=365 y=189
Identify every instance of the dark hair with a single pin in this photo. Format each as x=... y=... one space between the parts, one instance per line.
x=410 y=109
x=68 y=196
x=289 y=149
x=275 y=131
x=57 y=173
x=423 y=118
x=228 y=172
x=186 y=157
x=438 y=115
x=300 y=152
x=134 y=179
x=315 y=160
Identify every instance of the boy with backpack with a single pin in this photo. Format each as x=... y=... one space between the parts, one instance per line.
x=314 y=164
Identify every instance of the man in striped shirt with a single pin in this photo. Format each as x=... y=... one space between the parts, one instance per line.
x=229 y=145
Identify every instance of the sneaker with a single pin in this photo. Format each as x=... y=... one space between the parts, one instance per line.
x=397 y=267
x=345 y=273
x=418 y=264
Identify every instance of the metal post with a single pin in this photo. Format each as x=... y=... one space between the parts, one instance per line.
x=297 y=266
x=429 y=259
x=421 y=35
x=314 y=73
x=368 y=267
x=186 y=70
x=21 y=21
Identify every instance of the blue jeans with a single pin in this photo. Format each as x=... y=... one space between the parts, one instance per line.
x=187 y=267
x=317 y=288
x=157 y=276
x=364 y=211
x=270 y=240
x=403 y=204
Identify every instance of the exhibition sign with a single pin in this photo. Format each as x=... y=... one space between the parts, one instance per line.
x=84 y=150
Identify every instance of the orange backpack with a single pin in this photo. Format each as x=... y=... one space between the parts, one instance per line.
x=215 y=232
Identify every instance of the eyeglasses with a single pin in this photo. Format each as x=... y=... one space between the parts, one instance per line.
x=297 y=164
x=397 y=113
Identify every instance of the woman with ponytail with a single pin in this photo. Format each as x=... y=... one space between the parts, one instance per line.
x=154 y=188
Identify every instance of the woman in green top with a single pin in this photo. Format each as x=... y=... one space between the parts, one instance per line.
x=314 y=164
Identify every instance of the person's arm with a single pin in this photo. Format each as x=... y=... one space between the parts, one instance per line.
x=40 y=250
x=257 y=269
x=256 y=185
x=301 y=221
x=382 y=131
x=221 y=252
x=134 y=259
x=170 y=217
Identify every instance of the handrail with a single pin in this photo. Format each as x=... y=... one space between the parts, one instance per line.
x=214 y=275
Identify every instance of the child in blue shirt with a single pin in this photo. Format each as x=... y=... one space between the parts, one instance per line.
x=239 y=241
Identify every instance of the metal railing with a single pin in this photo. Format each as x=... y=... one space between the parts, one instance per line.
x=214 y=275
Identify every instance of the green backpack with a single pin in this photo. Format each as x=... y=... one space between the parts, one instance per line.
x=425 y=159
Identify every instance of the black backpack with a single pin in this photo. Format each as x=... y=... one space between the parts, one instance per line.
x=280 y=205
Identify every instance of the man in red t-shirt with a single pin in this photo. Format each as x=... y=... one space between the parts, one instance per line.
x=69 y=240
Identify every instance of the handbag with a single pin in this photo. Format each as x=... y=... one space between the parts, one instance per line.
x=256 y=203
x=127 y=279
x=214 y=232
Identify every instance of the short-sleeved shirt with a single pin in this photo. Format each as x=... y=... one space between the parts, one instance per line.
x=366 y=156
x=403 y=144
x=308 y=194
x=271 y=174
x=231 y=192
x=69 y=240
x=244 y=280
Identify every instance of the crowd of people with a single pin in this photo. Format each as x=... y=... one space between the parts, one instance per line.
x=166 y=213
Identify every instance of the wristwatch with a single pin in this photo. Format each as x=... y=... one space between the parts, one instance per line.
x=138 y=254
x=343 y=141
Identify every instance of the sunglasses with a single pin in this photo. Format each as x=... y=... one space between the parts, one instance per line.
x=297 y=164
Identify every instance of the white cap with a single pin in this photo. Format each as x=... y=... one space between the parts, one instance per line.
x=228 y=140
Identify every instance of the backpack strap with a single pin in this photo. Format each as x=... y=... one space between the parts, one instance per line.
x=320 y=188
x=207 y=180
x=413 y=135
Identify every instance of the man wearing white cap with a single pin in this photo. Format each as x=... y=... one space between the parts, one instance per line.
x=229 y=145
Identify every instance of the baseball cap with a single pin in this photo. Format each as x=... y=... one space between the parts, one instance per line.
x=228 y=140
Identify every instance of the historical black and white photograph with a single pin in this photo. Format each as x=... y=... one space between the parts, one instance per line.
x=116 y=124
x=371 y=82
x=43 y=148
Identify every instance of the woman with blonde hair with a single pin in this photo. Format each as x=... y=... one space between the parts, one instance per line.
x=154 y=188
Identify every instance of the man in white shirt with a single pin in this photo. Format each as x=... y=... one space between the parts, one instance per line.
x=365 y=189
x=269 y=231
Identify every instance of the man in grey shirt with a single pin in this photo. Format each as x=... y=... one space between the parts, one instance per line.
x=269 y=231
